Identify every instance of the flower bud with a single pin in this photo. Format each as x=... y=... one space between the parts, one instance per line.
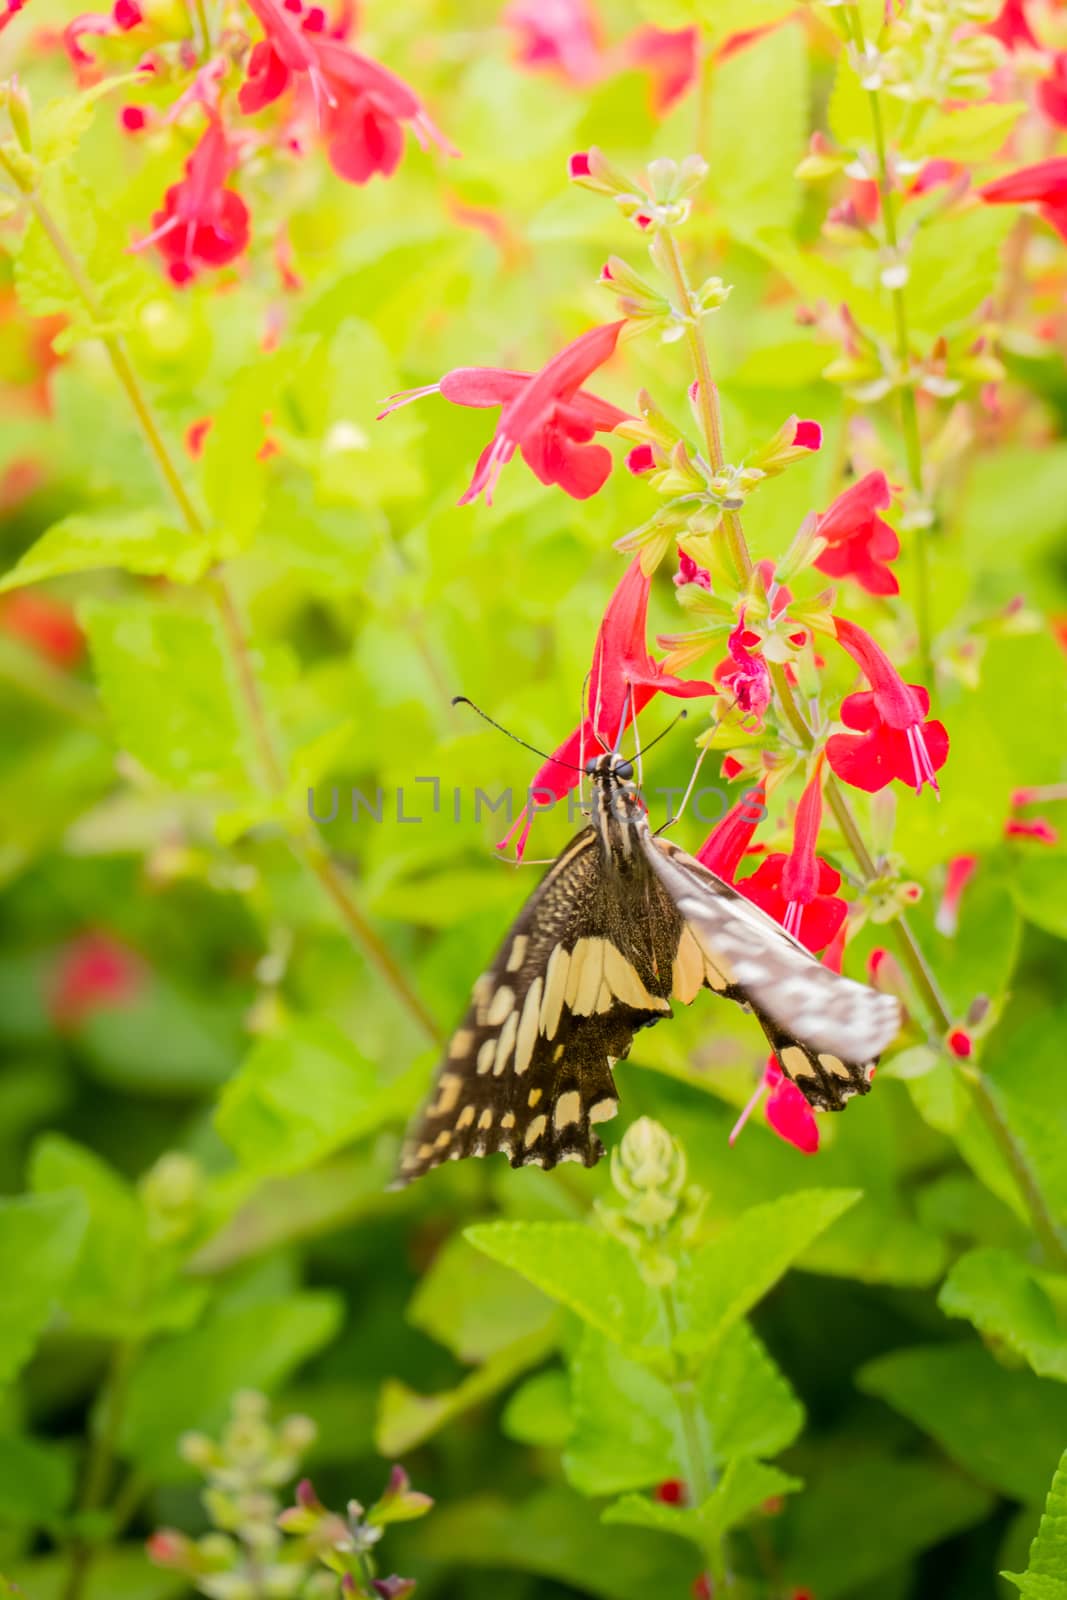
x=648 y=1170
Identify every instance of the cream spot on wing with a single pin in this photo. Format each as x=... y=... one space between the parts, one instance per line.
x=505 y=1042
x=533 y=1096
x=834 y=1065
x=794 y=1060
x=517 y=953
x=605 y=999
x=507 y=1121
x=625 y=981
x=443 y=1138
x=585 y=976
x=500 y=1006
x=465 y=1118
x=557 y=1054
x=486 y=1052
x=447 y=1094
x=535 y=1130
x=603 y=1110
x=480 y=994
x=486 y=1118
x=688 y=977
x=462 y=1040
x=425 y=1151
x=568 y=1109
x=556 y=974
x=527 y=1035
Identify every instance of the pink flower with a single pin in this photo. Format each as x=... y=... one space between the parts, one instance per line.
x=690 y=572
x=126 y=14
x=202 y=223
x=1052 y=91
x=745 y=673
x=361 y=106
x=1037 y=828
x=932 y=174
x=642 y=458
x=622 y=680
x=731 y=836
x=892 y=738
x=671 y=58
x=547 y=415
x=960 y=871
x=1045 y=182
x=94 y=973
x=561 y=36
x=10 y=12
x=859 y=542
x=1011 y=26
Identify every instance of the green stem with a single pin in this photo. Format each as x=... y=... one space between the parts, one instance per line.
x=204 y=26
x=699 y=1475
x=99 y=1466
x=306 y=843
x=707 y=396
x=909 y=411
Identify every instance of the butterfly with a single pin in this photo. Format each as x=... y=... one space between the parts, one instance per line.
x=622 y=924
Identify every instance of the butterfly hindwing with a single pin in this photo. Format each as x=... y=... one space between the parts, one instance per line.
x=528 y=1071
x=826 y=1031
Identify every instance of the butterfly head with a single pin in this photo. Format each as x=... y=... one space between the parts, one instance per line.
x=610 y=770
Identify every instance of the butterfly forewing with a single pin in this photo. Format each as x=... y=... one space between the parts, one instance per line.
x=826 y=1031
x=528 y=1071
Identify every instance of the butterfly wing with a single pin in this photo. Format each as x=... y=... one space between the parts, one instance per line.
x=826 y=1031
x=528 y=1071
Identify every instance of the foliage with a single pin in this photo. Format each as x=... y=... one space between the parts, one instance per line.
x=791 y=280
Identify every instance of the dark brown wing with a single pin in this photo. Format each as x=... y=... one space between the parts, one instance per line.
x=827 y=1031
x=528 y=1071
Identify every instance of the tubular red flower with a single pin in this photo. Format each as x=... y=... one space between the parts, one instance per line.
x=202 y=223
x=727 y=842
x=561 y=36
x=547 y=415
x=859 y=542
x=690 y=572
x=1052 y=91
x=960 y=871
x=745 y=674
x=670 y=57
x=1037 y=828
x=1011 y=26
x=892 y=739
x=48 y=626
x=815 y=920
x=789 y=1114
x=126 y=14
x=94 y=973
x=1045 y=182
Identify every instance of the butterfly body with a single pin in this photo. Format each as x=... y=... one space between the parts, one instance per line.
x=622 y=924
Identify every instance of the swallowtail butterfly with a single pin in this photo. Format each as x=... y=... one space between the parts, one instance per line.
x=622 y=924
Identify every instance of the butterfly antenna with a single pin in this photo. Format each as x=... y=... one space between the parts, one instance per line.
x=668 y=729
x=462 y=700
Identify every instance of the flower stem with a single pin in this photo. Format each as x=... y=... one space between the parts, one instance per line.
x=100 y=1463
x=699 y=1475
x=707 y=396
x=306 y=842
x=909 y=411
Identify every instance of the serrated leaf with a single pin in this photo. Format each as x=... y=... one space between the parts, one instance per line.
x=628 y=1432
x=135 y=541
x=407 y=1419
x=301 y=1094
x=42 y=281
x=166 y=684
x=232 y=474
x=60 y=126
x=591 y=1273
x=1004 y=1428
x=1008 y=1304
x=745 y=1485
x=1045 y=1577
x=474 y=1306
x=40 y=1237
x=727 y=1276
x=974 y=133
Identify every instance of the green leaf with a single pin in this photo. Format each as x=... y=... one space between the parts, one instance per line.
x=1039 y=882
x=119 y=1573
x=952 y=263
x=407 y=1419
x=973 y=133
x=539 y=1411
x=1023 y=1070
x=727 y=1276
x=40 y=1236
x=752 y=181
x=1045 y=1577
x=744 y=1486
x=232 y=475
x=1005 y=1428
x=590 y=1272
x=44 y=284
x=628 y=1432
x=60 y=126
x=36 y=1482
x=166 y=684
x=1008 y=1304
x=135 y=541
x=301 y=1094
x=474 y=1306
x=187 y=1381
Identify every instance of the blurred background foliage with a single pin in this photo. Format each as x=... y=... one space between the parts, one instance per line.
x=204 y=1081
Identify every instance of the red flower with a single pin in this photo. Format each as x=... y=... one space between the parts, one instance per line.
x=960 y=1043
x=133 y=119
x=745 y=674
x=47 y=625
x=671 y=1492
x=10 y=12
x=1011 y=26
x=642 y=458
x=731 y=836
x=671 y=58
x=361 y=106
x=1052 y=91
x=788 y=1113
x=688 y=571
x=1038 y=828
x=94 y=973
x=126 y=14
x=859 y=542
x=1045 y=182
x=560 y=36
x=547 y=415
x=892 y=739
x=202 y=223
x=960 y=871
x=797 y=889
x=622 y=680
